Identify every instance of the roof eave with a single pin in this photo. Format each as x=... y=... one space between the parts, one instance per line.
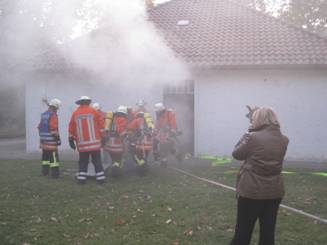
x=198 y=67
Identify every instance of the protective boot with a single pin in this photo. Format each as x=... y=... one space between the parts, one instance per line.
x=55 y=172
x=116 y=170
x=45 y=170
x=143 y=169
x=164 y=162
x=81 y=178
x=100 y=177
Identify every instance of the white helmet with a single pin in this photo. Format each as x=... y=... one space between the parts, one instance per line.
x=83 y=98
x=55 y=103
x=141 y=103
x=122 y=109
x=159 y=107
x=96 y=106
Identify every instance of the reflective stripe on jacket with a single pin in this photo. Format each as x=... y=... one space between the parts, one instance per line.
x=115 y=145
x=145 y=143
x=85 y=128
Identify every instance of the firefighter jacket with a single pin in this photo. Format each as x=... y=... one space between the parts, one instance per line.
x=48 y=131
x=165 y=124
x=166 y=119
x=115 y=143
x=141 y=134
x=86 y=128
x=102 y=115
x=140 y=109
x=130 y=114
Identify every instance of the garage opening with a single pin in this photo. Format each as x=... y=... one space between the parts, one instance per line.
x=181 y=99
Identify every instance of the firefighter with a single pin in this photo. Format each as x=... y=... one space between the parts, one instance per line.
x=140 y=138
x=115 y=127
x=50 y=139
x=96 y=106
x=140 y=107
x=130 y=113
x=165 y=132
x=86 y=128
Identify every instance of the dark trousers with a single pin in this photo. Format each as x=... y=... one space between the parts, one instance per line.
x=50 y=163
x=162 y=149
x=248 y=211
x=84 y=158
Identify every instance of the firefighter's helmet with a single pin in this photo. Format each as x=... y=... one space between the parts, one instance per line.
x=159 y=107
x=55 y=103
x=122 y=109
x=96 y=106
x=141 y=103
x=83 y=99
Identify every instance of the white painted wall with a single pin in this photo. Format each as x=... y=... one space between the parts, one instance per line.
x=68 y=88
x=299 y=98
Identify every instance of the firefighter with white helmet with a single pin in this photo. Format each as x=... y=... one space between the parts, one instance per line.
x=115 y=126
x=96 y=106
x=86 y=128
x=164 y=132
x=50 y=139
x=140 y=106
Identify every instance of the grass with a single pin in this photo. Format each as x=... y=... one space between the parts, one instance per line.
x=163 y=207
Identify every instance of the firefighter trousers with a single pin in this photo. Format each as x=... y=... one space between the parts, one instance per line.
x=50 y=163
x=84 y=158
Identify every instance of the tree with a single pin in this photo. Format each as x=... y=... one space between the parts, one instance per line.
x=307 y=14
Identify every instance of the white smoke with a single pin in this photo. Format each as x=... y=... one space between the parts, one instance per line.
x=110 y=38
x=127 y=48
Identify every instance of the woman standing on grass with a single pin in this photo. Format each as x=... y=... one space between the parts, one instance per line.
x=259 y=185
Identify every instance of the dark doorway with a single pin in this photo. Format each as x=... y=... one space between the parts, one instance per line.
x=181 y=100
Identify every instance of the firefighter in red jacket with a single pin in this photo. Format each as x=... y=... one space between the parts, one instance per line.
x=86 y=128
x=165 y=131
x=96 y=106
x=115 y=126
x=140 y=138
x=49 y=139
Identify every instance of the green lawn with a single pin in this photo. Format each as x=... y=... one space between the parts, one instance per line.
x=164 y=207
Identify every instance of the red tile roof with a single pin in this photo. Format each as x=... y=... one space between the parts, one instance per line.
x=223 y=33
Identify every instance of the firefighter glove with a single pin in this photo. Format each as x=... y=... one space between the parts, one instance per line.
x=72 y=144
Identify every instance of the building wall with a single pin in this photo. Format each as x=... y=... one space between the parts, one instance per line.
x=299 y=98
x=68 y=88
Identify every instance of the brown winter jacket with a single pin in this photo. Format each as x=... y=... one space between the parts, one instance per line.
x=263 y=153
